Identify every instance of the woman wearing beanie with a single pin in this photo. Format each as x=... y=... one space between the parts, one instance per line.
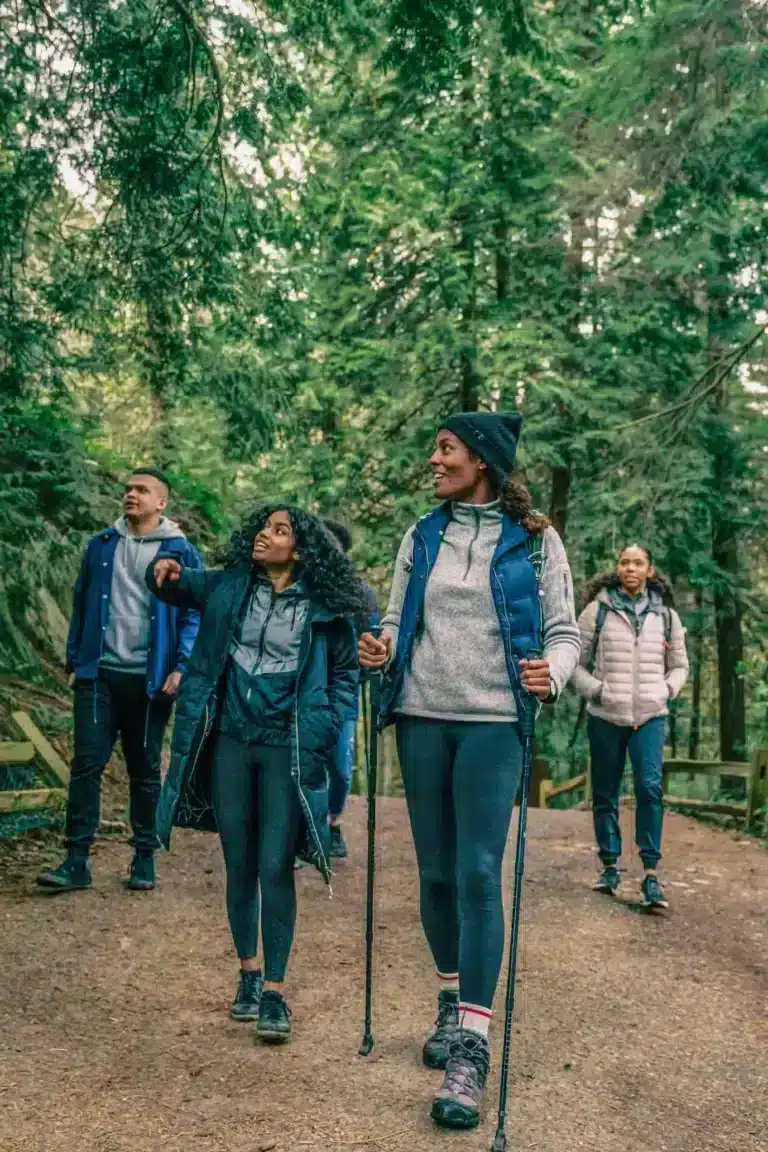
x=481 y=584
x=633 y=662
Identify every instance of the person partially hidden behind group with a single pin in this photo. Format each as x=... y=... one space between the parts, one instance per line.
x=633 y=662
x=466 y=614
x=270 y=683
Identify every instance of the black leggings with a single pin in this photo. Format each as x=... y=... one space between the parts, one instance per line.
x=258 y=814
x=461 y=781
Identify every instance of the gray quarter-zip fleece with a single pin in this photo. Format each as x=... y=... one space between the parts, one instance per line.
x=458 y=670
x=128 y=632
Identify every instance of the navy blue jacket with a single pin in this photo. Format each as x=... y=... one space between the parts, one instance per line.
x=326 y=684
x=173 y=630
x=515 y=590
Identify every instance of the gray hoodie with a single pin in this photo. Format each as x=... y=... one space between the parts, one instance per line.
x=127 y=636
x=458 y=670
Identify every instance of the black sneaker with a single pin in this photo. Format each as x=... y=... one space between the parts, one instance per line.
x=142 y=877
x=71 y=876
x=274 y=1024
x=245 y=1005
x=608 y=881
x=339 y=848
x=435 y=1053
x=653 y=893
x=457 y=1103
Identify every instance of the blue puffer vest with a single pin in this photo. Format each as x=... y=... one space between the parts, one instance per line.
x=514 y=579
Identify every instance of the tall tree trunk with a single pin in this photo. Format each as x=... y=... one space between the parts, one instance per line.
x=470 y=377
x=697 y=665
x=728 y=612
x=558 y=502
x=561 y=473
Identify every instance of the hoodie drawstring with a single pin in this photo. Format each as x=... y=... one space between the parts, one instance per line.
x=146 y=722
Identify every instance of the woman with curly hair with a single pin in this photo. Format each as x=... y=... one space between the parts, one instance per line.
x=480 y=615
x=633 y=662
x=269 y=683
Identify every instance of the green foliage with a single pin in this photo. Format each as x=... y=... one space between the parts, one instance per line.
x=270 y=246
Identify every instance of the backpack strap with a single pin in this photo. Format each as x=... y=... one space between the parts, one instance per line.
x=602 y=612
x=667 y=634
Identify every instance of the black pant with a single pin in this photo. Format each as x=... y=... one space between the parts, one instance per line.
x=115 y=704
x=258 y=814
x=461 y=780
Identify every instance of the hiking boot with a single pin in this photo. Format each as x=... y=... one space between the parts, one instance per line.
x=142 y=877
x=245 y=1005
x=274 y=1024
x=608 y=881
x=339 y=848
x=653 y=893
x=70 y=876
x=457 y=1103
x=435 y=1053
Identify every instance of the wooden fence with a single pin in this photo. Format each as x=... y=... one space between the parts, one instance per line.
x=33 y=748
x=751 y=810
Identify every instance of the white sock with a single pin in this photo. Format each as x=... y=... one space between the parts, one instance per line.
x=448 y=982
x=473 y=1018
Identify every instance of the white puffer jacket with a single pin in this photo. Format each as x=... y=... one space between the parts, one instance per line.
x=632 y=681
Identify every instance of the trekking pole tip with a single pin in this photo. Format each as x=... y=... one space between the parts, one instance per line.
x=499 y=1142
x=367 y=1045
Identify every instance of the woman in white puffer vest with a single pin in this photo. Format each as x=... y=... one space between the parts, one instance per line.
x=633 y=662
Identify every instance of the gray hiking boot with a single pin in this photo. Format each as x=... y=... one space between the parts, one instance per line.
x=457 y=1103
x=435 y=1052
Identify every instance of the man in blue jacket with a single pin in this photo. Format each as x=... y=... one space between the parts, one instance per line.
x=126 y=654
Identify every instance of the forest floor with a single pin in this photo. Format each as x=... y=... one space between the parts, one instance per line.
x=634 y=1033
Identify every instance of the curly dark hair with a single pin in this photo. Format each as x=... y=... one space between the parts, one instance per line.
x=324 y=569
x=658 y=583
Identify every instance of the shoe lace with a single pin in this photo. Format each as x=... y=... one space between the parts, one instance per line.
x=275 y=1003
x=468 y=1064
x=250 y=981
x=447 y=1016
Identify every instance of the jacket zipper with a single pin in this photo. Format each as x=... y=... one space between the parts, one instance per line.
x=262 y=639
x=472 y=543
x=200 y=744
x=297 y=775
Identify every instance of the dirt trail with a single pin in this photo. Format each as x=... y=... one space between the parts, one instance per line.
x=634 y=1034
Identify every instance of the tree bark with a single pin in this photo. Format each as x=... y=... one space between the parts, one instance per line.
x=470 y=377
x=697 y=664
x=728 y=612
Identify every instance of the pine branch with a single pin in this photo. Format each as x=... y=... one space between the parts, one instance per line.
x=681 y=405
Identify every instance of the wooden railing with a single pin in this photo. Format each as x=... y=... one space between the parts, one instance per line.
x=34 y=747
x=755 y=773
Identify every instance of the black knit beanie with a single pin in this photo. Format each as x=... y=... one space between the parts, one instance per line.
x=493 y=436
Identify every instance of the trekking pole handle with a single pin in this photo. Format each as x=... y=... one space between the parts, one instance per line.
x=528 y=704
x=375 y=631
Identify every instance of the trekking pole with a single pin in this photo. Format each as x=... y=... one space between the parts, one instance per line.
x=527 y=720
x=371 y=728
